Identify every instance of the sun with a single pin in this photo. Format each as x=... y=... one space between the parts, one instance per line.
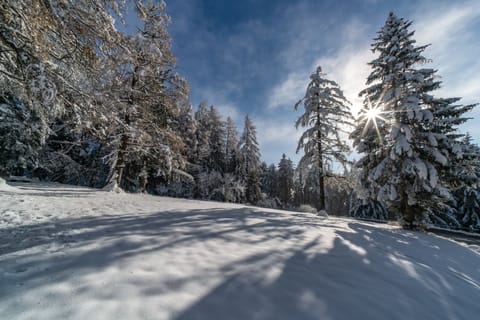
x=373 y=113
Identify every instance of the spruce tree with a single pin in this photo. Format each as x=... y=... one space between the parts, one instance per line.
x=326 y=115
x=217 y=141
x=397 y=134
x=232 y=153
x=285 y=181
x=249 y=168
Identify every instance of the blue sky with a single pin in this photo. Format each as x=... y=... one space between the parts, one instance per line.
x=255 y=57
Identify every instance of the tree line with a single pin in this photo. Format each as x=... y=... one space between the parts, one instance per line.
x=82 y=102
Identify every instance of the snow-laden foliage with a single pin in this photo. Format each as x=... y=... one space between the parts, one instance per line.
x=369 y=209
x=403 y=132
x=147 y=88
x=250 y=165
x=325 y=118
x=22 y=138
x=469 y=208
x=249 y=149
x=232 y=152
x=284 y=183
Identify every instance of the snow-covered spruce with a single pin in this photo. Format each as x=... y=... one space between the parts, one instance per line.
x=400 y=133
x=250 y=163
x=326 y=115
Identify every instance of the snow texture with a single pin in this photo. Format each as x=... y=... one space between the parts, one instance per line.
x=77 y=253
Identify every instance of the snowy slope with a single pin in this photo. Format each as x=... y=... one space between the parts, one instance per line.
x=77 y=253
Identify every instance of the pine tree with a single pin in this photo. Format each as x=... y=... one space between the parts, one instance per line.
x=396 y=133
x=270 y=181
x=217 y=141
x=252 y=189
x=469 y=208
x=464 y=180
x=285 y=181
x=249 y=168
x=249 y=149
x=326 y=116
x=202 y=118
x=232 y=153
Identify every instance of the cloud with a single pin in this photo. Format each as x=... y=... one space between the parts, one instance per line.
x=288 y=92
x=452 y=29
x=276 y=136
x=347 y=66
x=229 y=110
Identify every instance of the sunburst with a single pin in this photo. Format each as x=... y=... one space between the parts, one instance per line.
x=373 y=113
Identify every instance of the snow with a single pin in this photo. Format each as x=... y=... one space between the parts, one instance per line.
x=76 y=253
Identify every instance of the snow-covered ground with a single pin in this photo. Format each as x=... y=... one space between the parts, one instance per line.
x=77 y=253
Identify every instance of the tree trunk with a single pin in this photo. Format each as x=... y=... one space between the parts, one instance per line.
x=407 y=212
x=321 y=175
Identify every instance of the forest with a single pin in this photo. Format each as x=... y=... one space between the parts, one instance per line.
x=84 y=102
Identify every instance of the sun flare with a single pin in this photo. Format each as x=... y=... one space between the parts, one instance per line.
x=372 y=113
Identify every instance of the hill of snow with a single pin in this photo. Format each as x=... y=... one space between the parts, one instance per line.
x=76 y=253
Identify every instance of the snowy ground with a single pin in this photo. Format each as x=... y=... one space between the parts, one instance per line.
x=76 y=253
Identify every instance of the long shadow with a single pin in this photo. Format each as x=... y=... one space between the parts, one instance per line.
x=95 y=242
x=365 y=272
x=369 y=273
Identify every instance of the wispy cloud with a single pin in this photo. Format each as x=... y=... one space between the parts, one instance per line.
x=289 y=91
x=452 y=30
x=277 y=135
x=347 y=66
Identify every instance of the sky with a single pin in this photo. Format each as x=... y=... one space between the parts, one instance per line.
x=255 y=56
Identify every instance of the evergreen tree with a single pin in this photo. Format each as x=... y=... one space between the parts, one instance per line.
x=217 y=136
x=232 y=153
x=369 y=209
x=326 y=115
x=285 y=181
x=469 y=208
x=270 y=181
x=202 y=117
x=249 y=168
x=252 y=189
x=397 y=133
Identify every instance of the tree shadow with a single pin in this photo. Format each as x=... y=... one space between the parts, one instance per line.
x=241 y=263
x=369 y=273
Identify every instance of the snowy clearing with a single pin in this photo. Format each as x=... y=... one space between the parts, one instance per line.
x=76 y=253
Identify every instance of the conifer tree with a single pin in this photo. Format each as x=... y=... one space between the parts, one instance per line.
x=325 y=117
x=232 y=153
x=397 y=133
x=249 y=168
x=285 y=181
x=217 y=141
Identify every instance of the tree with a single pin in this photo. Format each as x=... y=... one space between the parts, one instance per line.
x=270 y=181
x=232 y=153
x=202 y=152
x=249 y=168
x=217 y=141
x=326 y=115
x=21 y=138
x=285 y=180
x=52 y=57
x=400 y=142
x=147 y=89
